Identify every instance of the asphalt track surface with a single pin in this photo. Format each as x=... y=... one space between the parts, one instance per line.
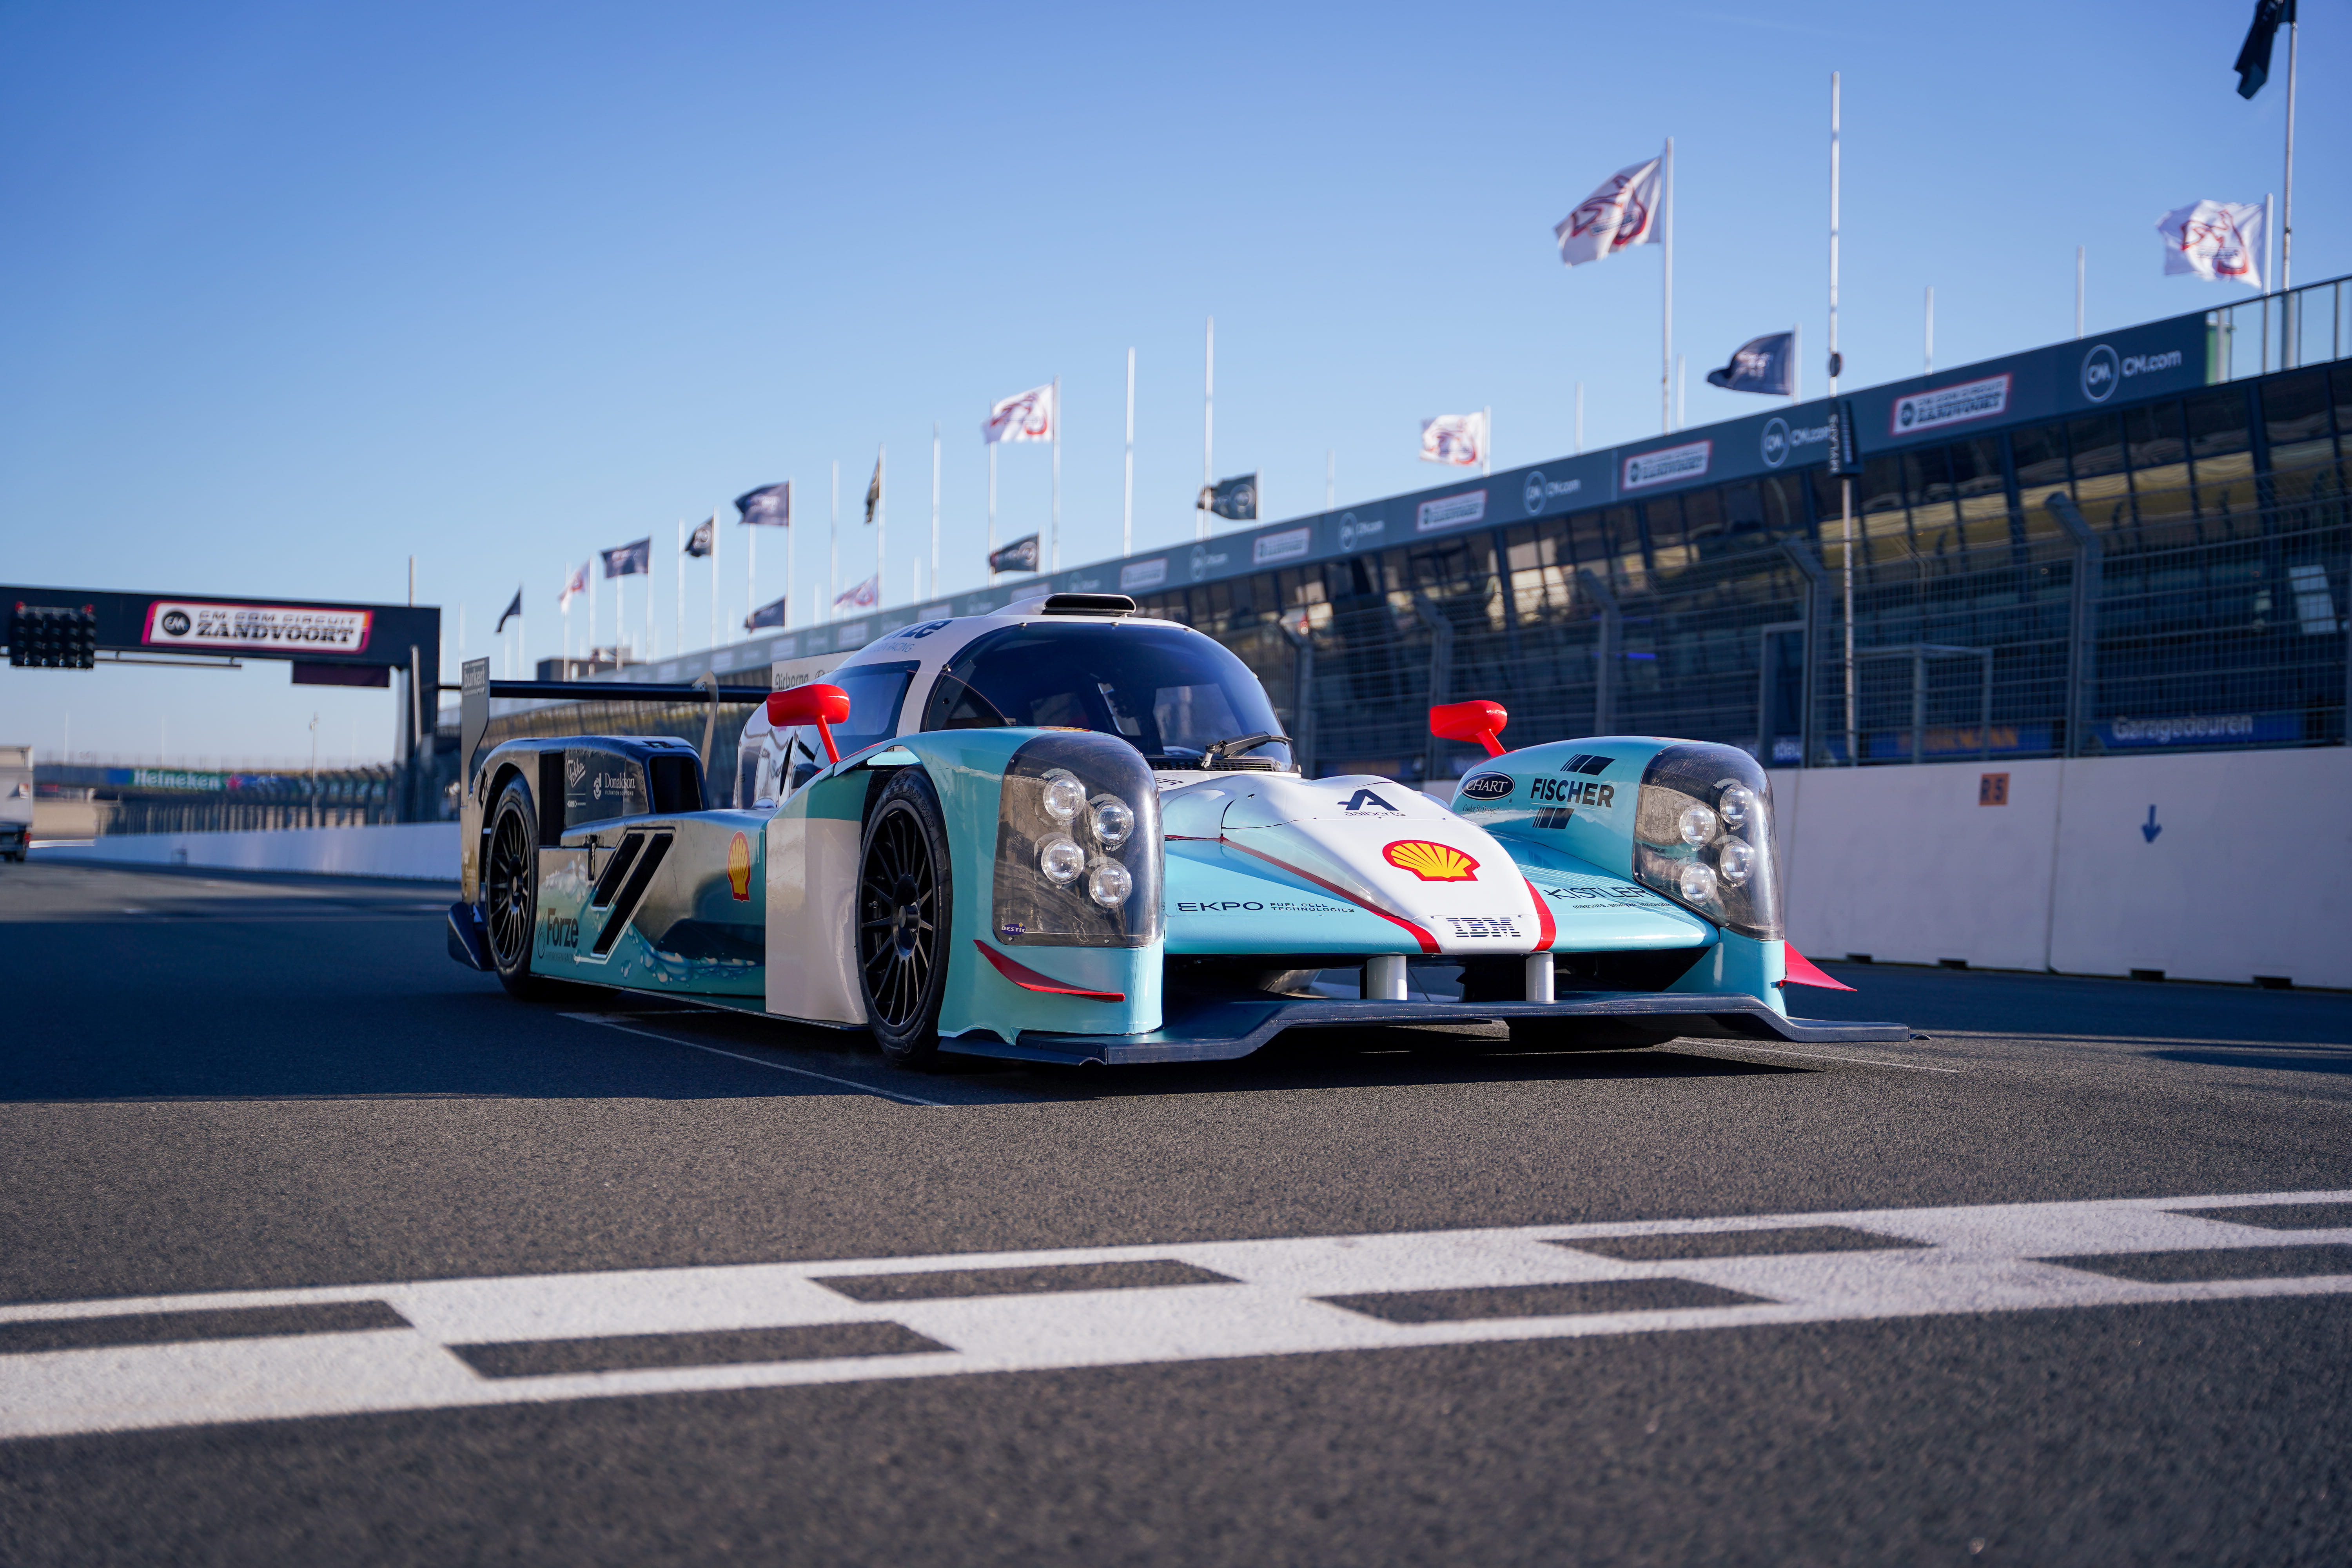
x=2067 y=1281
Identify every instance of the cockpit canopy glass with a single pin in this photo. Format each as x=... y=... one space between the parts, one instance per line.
x=1169 y=694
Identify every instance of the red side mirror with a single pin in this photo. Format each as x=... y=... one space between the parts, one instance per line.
x=1478 y=721
x=822 y=706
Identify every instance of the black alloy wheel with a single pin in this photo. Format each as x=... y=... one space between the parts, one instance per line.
x=510 y=890
x=903 y=900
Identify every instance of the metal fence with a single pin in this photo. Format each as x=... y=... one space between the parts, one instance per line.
x=2165 y=577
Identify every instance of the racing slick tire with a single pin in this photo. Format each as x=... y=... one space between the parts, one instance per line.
x=510 y=893
x=1584 y=1035
x=903 y=910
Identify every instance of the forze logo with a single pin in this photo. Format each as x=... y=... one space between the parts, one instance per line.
x=739 y=869
x=1364 y=797
x=1486 y=787
x=563 y=932
x=1431 y=862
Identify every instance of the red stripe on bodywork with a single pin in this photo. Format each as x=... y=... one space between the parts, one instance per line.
x=1546 y=931
x=1028 y=979
x=1428 y=943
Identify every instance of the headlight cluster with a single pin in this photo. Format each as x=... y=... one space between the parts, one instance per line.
x=1702 y=836
x=1078 y=861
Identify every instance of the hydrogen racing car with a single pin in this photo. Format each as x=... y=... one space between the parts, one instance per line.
x=1066 y=832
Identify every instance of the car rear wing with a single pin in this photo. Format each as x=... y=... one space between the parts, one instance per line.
x=476 y=690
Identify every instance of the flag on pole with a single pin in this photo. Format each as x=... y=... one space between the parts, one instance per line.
x=573 y=585
x=1024 y=417
x=1457 y=438
x=2216 y=240
x=874 y=492
x=1234 y=499
x=1021 y=555
x=2253 y=67
x=1622 y=212
x=512 y=611
x=629 y=560
x=1761 y=364
x=860 y=596
x=770 y=506
x=778 y=614
x=700 y=542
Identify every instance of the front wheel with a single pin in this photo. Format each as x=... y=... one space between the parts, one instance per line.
x=511 y=891
x=905 y=895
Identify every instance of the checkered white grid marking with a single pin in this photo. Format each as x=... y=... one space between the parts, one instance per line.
x=1970 y=1259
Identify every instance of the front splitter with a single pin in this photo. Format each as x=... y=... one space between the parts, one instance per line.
x=1223 y=1028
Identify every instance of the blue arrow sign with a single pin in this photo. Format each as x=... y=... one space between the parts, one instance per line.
x=2150 y=829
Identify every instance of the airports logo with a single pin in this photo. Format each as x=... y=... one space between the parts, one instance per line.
x=1539 y=491
x=1288 y=545
x=1143 y=573
x=1666 y=465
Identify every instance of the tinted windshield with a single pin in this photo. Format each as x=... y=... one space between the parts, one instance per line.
x=1168 y=693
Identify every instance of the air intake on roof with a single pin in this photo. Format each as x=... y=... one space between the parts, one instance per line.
x=1075 y=604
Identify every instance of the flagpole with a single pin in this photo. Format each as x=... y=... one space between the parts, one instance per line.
x=1927 y=349
x=1127 y=492
x=595 y=564
x=881 y=520
x=832 y=548
x=714 y=579
x=935 y=508
x=1667 y=375
x=2078 y=291
x=653 y=633
x=1208 y=432
x=1580 y=418
x=991 y=508
x=791 y=548
x=1486 y=444
x=1056 y=566
x=750 y=577
x=680 y=559
x=2287 y=209
x=1845 y=482
x=1796 y=364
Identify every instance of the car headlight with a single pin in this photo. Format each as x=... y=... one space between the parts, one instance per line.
x=1077 y=845
x=1702 y=836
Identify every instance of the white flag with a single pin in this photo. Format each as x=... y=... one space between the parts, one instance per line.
x=2215 y=240
x=1457 y=439
x=1622 y=212
x=1024 y=417
x=573 y=585
x=861 y=595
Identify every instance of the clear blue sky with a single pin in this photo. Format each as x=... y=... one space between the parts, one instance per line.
x=294 y=291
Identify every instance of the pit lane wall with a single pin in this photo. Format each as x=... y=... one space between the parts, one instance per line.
x=2211 y=866
x=420 y=851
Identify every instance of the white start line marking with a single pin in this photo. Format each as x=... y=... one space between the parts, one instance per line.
x=259 y=1355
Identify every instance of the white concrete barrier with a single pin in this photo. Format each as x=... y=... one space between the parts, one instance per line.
x=2247 y=870
x=425 y=851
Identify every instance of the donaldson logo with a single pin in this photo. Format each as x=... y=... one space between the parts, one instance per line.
x=2101 y=374
x=1486 y=787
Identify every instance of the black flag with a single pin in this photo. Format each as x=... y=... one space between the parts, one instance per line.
x=628 y=560
x=874 y=492
x=770 y=505
x=1021 y=555
x=511 y=611
x=1761 y=364
x=697 y=543
x=1235 y=499
x=2253 y=67
x=775 y=615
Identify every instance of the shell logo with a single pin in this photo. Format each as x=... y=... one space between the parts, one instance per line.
x=739 y=868
x=1431 y=862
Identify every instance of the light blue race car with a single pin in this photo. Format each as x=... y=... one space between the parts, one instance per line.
x=1064 y=833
